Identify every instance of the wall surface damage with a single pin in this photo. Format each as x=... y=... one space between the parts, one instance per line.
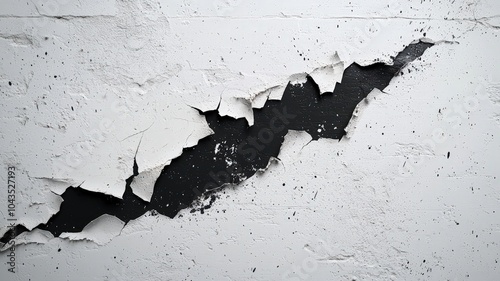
x=233 y=140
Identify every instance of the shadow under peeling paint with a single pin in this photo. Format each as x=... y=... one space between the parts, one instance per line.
x=235 y=151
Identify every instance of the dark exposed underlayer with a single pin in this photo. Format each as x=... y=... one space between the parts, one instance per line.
x=235 y=151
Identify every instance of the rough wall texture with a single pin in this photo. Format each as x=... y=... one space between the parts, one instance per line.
x=94 y=93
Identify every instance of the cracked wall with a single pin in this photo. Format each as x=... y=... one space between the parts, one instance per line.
x=96 y=94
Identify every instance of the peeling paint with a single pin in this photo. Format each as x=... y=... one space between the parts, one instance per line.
x=100 y=230
x=100 y=98
x=237 y=151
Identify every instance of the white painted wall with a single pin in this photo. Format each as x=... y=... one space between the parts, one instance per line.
x=390 y=205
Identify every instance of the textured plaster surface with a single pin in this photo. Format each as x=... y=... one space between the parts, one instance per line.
x=412 y=193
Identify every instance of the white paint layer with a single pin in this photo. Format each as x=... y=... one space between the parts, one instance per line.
x=89 y=86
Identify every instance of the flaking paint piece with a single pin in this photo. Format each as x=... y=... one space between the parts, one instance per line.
x=36 y=211
x=298 y=78
x=326 y=77
x=236 y=107
x=272 y=160
x=143 y=184
x=351 y=126
x=100 y=231
x=150 y=156
x=57 y=186
x=294 y=142
x=259 y=100
x=36 y=236
x=37 y=205
x=255 y=101
x=276 y=93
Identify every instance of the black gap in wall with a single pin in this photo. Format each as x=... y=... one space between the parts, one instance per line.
x=241 y=150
